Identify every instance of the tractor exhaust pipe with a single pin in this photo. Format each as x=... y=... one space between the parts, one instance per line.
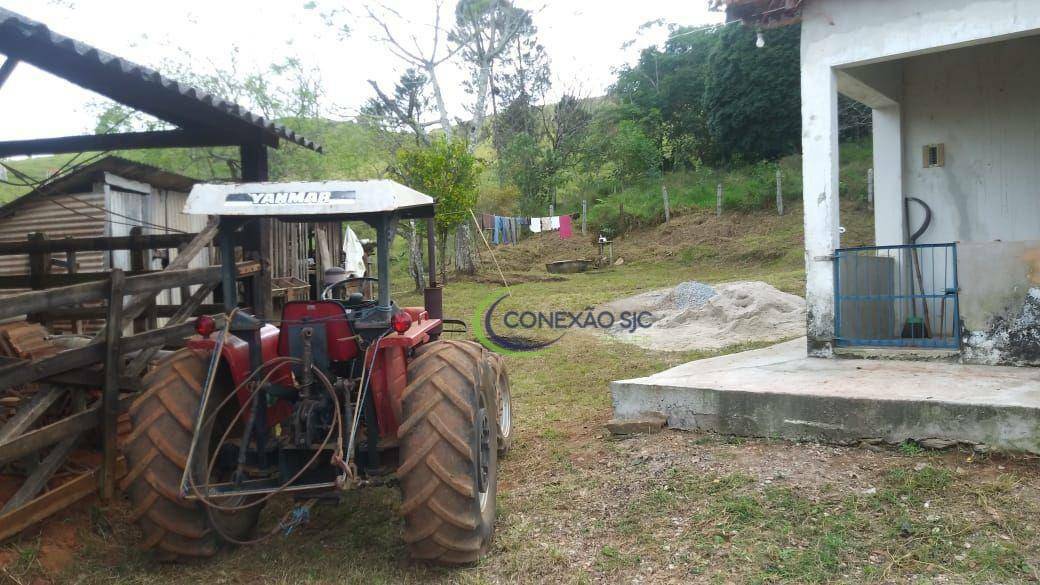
x=433 y=295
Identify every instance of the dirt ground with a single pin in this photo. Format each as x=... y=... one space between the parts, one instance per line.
x=577 y=505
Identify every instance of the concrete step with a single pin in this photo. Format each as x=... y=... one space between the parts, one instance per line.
x=780 y=392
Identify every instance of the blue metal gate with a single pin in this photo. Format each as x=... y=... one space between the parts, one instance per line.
x=897 y=296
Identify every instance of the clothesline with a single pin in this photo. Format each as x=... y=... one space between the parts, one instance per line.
x=509 y=229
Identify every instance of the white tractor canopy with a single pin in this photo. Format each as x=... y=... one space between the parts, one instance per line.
x=318 y=199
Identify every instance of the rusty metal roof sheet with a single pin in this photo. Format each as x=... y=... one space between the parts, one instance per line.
x=134 y=85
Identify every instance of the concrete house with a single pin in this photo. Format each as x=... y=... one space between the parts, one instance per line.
x=954 y=90
x=953 y=280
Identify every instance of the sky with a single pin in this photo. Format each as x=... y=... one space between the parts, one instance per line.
x=585 y=41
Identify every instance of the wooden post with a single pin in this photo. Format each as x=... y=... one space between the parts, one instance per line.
x=72 y=267
x=110 y=396
x=39 y=267
x=138 y=264
x=718 y=200
x=779 y=193
x=257 y=233
x=584 y=214
x=870 y=188
x=185 y=291
x=664 y=196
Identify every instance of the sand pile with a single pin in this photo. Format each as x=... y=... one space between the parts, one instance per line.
x=696 y=316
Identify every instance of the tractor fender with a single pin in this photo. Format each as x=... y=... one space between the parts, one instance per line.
x=235 y=357
x=235 y=353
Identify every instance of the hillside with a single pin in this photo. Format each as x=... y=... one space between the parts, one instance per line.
x=746 y=187
x=696 y=244
x=36 y=167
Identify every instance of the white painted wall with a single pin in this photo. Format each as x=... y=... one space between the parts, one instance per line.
x=840 y=34
x=983 y=103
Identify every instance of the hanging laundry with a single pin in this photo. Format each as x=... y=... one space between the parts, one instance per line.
x=536 y=225
x=497 y=234
x=554 y=221
x=546 y=223
x=565 y=227
x=354 y=253
x=487 y=221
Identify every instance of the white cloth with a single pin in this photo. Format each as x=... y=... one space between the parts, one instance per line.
x=555 y=222
x=354 y=253
x=536 y=225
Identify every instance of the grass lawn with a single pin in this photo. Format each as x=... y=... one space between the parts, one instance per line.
x=576 y=505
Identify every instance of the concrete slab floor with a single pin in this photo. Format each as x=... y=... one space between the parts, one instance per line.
x=779 y=391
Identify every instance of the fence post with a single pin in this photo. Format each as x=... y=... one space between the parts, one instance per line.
x=72 y=267
x=39 y=267
x=185 y=291
x=870 y=188
x=718 y=200
x=139 y=259
x=779 y=193
x=584 y=211
x=664 y=196
x=552 y=210
x=110 y=395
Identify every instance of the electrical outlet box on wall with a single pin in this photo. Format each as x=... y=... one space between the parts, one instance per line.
x=934 y=155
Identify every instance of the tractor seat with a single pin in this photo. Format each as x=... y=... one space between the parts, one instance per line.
x=355 y=300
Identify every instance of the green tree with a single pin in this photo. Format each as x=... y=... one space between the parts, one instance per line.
x=537 y=157
x=446 y=171
x=664 y=92
x=753 y=95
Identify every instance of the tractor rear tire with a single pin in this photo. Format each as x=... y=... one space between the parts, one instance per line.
x=505 y=405
x=156 y=453
x=448 y=452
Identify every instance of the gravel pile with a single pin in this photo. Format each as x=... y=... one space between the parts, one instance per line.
x=692 y=295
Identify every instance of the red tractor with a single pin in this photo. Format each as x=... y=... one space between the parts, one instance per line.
x=346 y=391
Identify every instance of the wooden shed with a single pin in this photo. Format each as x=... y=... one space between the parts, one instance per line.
x=110 y=197
x=119 y=197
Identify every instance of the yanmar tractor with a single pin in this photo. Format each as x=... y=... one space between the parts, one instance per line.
x=346 y=391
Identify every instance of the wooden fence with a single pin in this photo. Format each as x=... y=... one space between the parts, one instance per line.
x=111 y=361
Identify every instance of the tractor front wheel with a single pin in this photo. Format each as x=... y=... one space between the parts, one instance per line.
x=156 y=452
x=505 y=405
x=448 y=449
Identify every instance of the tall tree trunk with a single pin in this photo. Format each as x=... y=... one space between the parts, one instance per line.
x=415 y=259
x=478 y=109
x=464 y=251
x=442 y=242
x=442 y=109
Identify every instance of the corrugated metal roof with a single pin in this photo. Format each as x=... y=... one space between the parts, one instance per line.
x=126 y=82
x=82 y=179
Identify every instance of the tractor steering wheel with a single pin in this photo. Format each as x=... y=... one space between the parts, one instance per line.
x=327 y=293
